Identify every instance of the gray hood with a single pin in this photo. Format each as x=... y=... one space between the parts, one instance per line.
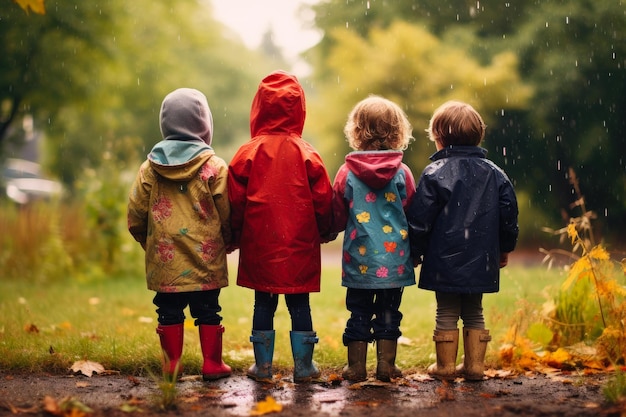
x=185 y=115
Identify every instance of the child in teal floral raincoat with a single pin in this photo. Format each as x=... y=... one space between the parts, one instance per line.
x=371 y=191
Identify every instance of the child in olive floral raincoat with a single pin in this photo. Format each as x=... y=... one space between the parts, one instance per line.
x=371 y=192
x=179 y=212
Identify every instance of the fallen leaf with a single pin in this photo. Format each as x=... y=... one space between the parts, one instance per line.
x=420 y=377
x=269 y=405
x=87 y=368
x=444 y=393
x=51 y=406
x=31 y=328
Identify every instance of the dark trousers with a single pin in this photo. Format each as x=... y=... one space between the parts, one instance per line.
x=374 y=314
x=203 y=306
x=265 y=305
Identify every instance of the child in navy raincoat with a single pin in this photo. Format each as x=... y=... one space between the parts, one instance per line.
x=463 y=224
x=371 y=191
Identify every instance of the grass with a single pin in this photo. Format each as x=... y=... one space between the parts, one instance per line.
x=47 y=328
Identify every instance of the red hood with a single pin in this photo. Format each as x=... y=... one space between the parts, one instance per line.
x=278 y=106
x=374 y=168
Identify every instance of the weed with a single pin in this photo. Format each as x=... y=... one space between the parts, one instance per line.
x=615 y=389
x=167 y=396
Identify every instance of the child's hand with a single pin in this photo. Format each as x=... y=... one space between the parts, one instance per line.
x=504 y=259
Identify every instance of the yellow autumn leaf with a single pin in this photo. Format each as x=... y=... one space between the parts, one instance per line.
x=269 y=405
x=36 y=6
x=598 y=252
x=572 y=233
x=579 y=270
x=557 y=358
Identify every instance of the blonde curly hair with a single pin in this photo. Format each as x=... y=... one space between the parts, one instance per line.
x=376 y=123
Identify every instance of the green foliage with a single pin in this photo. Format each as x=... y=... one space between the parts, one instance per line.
x=97 y=73
x=417 y=75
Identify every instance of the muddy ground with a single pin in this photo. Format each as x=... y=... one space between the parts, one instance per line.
x=412 y=395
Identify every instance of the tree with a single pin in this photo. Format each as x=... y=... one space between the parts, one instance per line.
x=418 y=75
x=570 y=52
x=95 y=74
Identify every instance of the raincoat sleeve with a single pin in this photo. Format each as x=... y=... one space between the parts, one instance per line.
x=237 y=191
x=138 y=205
x=322 y=192
x=410 y=187
x=422 y=214
x=509 y=229
x=219 y=190
x=340 y=209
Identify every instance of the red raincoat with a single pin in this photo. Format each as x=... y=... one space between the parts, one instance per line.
x=280 y=194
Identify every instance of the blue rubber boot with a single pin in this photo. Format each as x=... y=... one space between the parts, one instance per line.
x=302 y=344
x=263 y=345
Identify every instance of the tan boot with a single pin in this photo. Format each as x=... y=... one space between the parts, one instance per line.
x=357 y=355
x=386 y=357
x=475 y=345
x=446 y=346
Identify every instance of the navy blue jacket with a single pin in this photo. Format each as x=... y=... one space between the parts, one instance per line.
x=462 y=216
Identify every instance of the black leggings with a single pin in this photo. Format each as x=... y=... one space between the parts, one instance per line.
x=265 y=305
x=203 y=306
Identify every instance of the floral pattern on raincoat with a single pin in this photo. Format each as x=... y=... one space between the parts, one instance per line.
x=280 y=194
x=371 y=192
x=179 y=211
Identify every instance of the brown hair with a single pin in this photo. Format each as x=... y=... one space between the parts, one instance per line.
x=456 y=123
x=376 y=123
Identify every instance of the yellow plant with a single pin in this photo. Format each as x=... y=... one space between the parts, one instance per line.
x=586 y=319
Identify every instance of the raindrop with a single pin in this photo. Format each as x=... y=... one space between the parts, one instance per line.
x=606 y=212
x=547 y=24
x=550 y=187
x=368 y=5
x=567 y=20
x=502 y=113
x=504 y=151
x=558 y=165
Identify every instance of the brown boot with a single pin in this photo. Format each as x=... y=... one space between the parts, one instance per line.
x=357 y=355
x=386 y=356
x=475 y=345
x=446 y=346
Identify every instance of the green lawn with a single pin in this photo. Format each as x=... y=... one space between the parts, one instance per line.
x=113 y=322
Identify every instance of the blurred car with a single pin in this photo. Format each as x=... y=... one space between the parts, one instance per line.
x=23 y=182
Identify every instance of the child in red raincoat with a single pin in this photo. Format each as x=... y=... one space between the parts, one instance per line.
x=281 y=198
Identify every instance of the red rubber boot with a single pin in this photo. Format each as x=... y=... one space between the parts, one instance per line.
x=211 y=344
x=171 y=337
